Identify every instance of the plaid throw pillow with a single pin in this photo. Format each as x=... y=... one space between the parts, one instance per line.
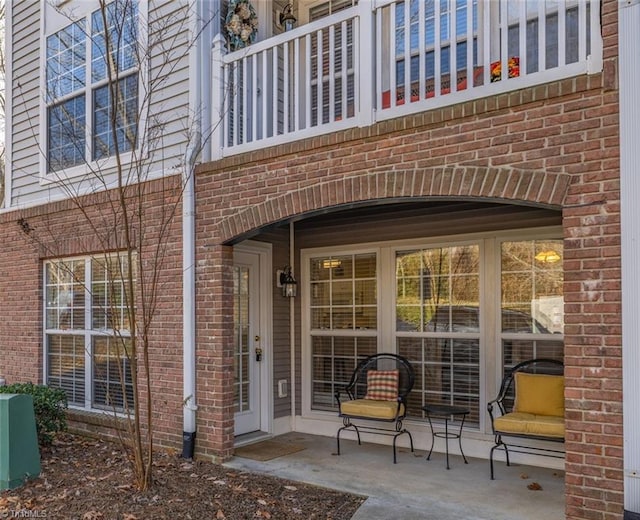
x=382 y=385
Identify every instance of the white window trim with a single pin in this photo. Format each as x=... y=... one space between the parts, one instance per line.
x=306 y=6
x=491 y=362
x=52 y=22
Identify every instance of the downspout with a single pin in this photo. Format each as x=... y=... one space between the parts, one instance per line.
x=188 y=244
x=629 y=77
x=188 y=302
x=6 y=201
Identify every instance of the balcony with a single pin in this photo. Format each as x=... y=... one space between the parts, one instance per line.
x=381 y=60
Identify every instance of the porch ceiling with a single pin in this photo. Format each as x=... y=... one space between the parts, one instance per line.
x=450 y=210
x=442 y=217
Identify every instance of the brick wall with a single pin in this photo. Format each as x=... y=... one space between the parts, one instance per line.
x=62 y=230
x=554 y=145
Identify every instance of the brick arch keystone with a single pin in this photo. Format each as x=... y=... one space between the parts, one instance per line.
x=507 y=185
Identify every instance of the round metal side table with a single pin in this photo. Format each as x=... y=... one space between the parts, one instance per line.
x=446 y=412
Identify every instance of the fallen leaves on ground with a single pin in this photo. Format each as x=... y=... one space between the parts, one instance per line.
x=88 y=479
x=534 y=486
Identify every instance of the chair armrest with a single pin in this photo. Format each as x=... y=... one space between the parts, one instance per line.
x=497 y=404
x=340 y=391
x=402 y=401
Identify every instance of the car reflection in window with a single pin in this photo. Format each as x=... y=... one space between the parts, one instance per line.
x=466 y=319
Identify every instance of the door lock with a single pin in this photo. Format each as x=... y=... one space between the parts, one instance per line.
x=258 y=348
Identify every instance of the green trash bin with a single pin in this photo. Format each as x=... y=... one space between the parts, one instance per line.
x=19 y=453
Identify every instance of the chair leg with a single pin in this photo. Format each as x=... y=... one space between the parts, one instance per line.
x=491 y=461
x=394 y=443
x=357 y=433
x=346 y=427
x=394 y=447
x=499 y=444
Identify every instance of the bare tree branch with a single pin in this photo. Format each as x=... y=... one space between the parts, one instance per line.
x=127 y=234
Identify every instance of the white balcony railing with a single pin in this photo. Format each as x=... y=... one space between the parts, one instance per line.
x=384 y=59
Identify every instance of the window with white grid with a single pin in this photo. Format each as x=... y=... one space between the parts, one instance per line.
x=82 y=122
x=87 y=330
x=344 y=320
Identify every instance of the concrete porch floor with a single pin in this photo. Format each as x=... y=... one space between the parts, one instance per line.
x=415 y=488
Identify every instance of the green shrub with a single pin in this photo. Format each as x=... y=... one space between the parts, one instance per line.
x=49 y=406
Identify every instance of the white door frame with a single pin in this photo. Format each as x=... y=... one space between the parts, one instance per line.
x=264 y=252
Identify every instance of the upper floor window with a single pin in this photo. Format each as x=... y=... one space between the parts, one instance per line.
x=89 y=64
x=322 y=9
x=558 y=23
x=447 y=36
x=445 y=26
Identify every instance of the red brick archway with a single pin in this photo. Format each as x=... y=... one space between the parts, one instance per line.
x=463 y=182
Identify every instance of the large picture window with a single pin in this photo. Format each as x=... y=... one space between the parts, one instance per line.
x=555 y=30
x=438 y=324
x=531 y=300
x=461 y=312
x=88 y=64
x=453 y=32
x=440 y=41
x=87 y=333
x=344 y=320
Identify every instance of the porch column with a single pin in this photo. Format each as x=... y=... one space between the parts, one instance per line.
x=214 y=351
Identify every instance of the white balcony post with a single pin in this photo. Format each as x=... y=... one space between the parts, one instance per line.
x=594 y=60
x=365 y=62
x=218 y=101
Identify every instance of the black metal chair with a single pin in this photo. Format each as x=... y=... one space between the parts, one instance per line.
x=388 y=406
x=507 y=421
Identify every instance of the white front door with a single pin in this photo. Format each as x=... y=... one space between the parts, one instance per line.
x=247 y=342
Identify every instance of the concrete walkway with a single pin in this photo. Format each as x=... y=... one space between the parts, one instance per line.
x=415 y=488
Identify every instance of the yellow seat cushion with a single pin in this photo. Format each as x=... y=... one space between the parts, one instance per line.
x=539 y=394
x=530 y=424
x=371 y=408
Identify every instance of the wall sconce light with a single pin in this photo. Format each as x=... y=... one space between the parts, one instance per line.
x=330 y=263
x=288 y=283
x=548 y=257
x=287 y=20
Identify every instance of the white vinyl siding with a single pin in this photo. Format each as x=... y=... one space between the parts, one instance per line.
x=24 y=96
x=169 y=105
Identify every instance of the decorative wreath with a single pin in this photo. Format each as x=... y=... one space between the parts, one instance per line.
x=241 y=24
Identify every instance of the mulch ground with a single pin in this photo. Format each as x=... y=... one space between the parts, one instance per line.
x=89 y=479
